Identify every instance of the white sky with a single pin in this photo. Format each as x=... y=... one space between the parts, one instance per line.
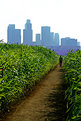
x=63 y=16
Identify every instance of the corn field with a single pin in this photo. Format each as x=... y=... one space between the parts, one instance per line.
x=21 y=66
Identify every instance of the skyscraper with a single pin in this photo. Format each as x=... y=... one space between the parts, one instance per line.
x=38 y=40
x=56 y=39
x=28 y=33
x=17 y=36
x=13 y=35
x=45 y=35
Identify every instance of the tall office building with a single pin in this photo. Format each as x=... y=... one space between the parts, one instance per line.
x=56 y=39
x=45 y=35
x=68 y=42
x=38 y=40
x=13 y=35
x=17 y=36
x=28 y=33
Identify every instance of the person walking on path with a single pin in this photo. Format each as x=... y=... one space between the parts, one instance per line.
x=60 y=61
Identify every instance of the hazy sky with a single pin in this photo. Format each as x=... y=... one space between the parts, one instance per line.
x=63 y=16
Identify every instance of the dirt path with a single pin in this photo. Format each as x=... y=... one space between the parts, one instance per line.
x=45 y=103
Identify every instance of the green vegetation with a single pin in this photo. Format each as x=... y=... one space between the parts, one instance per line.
x=72 y=68
x=20 y=68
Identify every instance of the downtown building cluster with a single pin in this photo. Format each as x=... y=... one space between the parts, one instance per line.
x=46 y=38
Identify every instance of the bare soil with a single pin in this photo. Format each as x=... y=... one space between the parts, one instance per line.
x=45 y=102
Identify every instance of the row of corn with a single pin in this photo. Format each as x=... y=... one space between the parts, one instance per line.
x=72 y=69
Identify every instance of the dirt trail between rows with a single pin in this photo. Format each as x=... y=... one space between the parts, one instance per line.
x=45 y=102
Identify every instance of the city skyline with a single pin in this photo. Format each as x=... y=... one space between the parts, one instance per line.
x=45 y=38
x=56 y=34
x=63 y=16
x=45 y=35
